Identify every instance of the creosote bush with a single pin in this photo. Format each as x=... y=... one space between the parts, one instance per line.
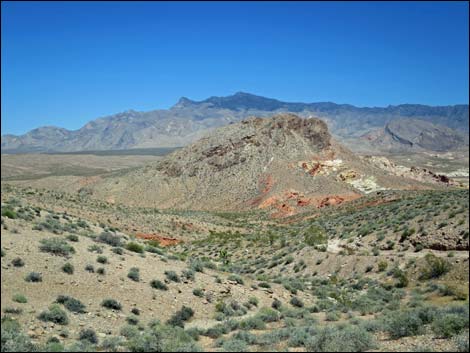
x=55 y=314
x=111 y=304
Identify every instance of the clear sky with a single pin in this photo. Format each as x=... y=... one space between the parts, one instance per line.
x=65 y=63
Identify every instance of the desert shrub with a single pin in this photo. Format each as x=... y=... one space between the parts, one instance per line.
x=110 y=239
x=72 y=237
x=348 y=339
x=182 y=315
x=111 y=304
x=129 y=331
x=11 y=310
x=276 y=304
x=111 y=344
x=449 y=325
x=68 y=268
x=332 y=316
x=172 y=276
x=150 y=341
x=461 y=342
x=253 y=323
x=402 y=279
x=268 y=315
x=56 y=246
x=134 y=274
x=88 y=335
x=13 y=339
x=189 y=274
x=101 y=271
x=253 y=301
x=298 y=336
x=95 y=248
x=90 y=268
x=196 y=265
x=55 y=314
x=198 y=292
x=19 y=298
x=71 y=304
x=102 y=259
x=234 y=345
x=296 y=302
x=132 y=320
x=118 y=251
x=382 y=266
x=135 y=247
x=154 y=250
x=135 y=311
x=315 y=235
x=245 y=337
x=403 y=324
x=436 y=267
x=17 y=262
x=9 y=213
x=236 y=278
x=157 y=284
x=216 y=331
x=33 y=277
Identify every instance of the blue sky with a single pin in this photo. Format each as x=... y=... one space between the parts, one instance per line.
x=66 y=63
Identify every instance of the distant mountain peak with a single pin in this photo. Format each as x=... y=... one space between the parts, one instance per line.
x=183 y=102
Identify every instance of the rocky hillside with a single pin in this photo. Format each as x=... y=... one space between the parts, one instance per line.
x=189 y=120
x=411 y=135
x=282 y=163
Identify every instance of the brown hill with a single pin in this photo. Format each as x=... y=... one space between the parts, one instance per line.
x=282 y=163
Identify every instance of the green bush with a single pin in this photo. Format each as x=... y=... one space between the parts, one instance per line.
x=436 y=267
x=72 y=237
x=56 y=246
x=135 y=247
x=110 y=239
x=172 y=276
x=33 y=277
x=55 y=314
x=13 y=339
x=348 y=339
x=403 y=324
x=118 y=251
x=88 y=335
x=253 y=323
x=276 y=304
x=461 y=342
x=111 y=304
x=234 y=345
x=268 y=315
x=68 y=268
x=134 y=274
x=101 y=271
x=449 y=325
x=19 y=298
x=102 y=259
x=149 y=341
x=236 y=278
x=132 y=320
x=71 y=304
x=198 y=292
x=157 y=284
x=90 y=268
x=296 y=302
x=182 y=315
x=315 y=235
x=17 y=262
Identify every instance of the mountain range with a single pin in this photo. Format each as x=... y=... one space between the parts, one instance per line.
x=189 y=120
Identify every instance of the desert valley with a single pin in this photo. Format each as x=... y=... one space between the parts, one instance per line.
x=266 y=233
